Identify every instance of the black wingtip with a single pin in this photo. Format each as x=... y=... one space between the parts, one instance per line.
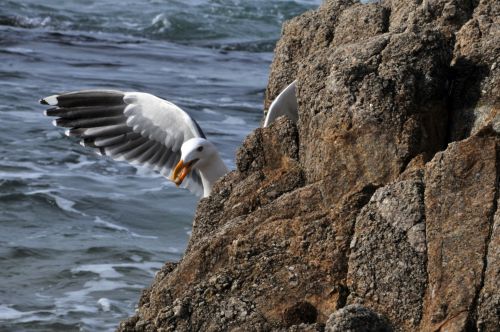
x=43 y=102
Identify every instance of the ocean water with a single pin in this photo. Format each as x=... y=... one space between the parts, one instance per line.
x=80 y=235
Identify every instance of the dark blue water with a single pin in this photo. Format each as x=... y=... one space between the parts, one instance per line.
x=80 y=236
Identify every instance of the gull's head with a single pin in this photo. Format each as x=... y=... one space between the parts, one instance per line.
x=195 y=153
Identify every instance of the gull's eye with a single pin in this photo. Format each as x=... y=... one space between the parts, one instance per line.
x=200 y=148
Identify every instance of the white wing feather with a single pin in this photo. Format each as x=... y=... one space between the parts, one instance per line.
x=285 y=104
x=159 y=119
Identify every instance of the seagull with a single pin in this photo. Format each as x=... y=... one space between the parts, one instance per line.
x=143 y=129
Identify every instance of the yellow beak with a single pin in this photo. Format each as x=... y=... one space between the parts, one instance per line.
x=180 y=172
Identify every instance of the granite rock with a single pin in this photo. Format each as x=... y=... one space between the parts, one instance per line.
x=379 y=204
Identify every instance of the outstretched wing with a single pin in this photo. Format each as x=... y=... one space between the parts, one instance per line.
x=284 y=104
x=137 y=127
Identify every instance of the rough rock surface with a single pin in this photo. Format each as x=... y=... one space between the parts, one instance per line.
x=390 y=234
x=379 y=205
x=356 y=318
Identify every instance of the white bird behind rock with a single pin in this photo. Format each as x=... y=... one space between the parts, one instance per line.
x=285 y=104
x=146 y=130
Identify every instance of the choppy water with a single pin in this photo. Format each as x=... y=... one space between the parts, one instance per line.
x=80 y=236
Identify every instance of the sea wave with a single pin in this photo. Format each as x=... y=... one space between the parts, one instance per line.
x=225 y=24
x=21 y=21
x=62 y=203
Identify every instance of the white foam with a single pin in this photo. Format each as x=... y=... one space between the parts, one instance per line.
x=156 y=189
x=233 y=120
x=65 y=204
x=109 y=225
x=143 y=171
x=103 y=270
x=143 y=236
x=109 y=280
x=72 y=301
x=136 y=258
x=20 y=175
x=173 y=250
x=105 y=304
x=10 y=313
x=209 y=111
x=32 y=316
x=226 y=99
x=26 y=21
x=115 y=227
x=108 y=271
x=82 y=162
x=19 y=50
x=162 y=22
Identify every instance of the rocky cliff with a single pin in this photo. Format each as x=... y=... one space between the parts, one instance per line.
x=377 y=211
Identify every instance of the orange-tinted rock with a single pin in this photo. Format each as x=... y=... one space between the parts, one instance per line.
x=461 y=184
x=488 y=315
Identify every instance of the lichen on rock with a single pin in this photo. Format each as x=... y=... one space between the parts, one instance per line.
x=379 y=205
